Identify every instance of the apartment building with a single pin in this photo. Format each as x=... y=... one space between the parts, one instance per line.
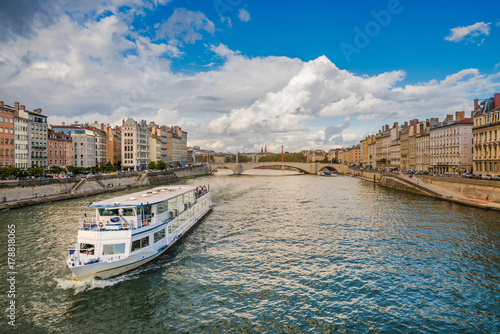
x=7 y=157
x=135 y=145
x=451 y=145
x=84 y=144
x=404 y=138
x=395 y=146
x=486 y=133
x=176 y=146
x=60 y=149
x=383 y=142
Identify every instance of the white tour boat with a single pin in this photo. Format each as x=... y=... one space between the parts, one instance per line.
x=131 y=230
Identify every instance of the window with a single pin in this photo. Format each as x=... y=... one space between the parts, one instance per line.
x=112 y=249
x=84 y=248
x=159 y=235
x=127 y=212
x=162 y=207
x=141 y=243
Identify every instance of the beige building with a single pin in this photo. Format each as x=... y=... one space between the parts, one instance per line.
x=176 y=146
x=404 y=146
x=395 y=147
x=451 y=145
x=84 y=144
x=383 y=142
x=412 y=144
x=486 y=132
x=21 y=138
x=372 y=152
x=423 y=149
x=135 y=145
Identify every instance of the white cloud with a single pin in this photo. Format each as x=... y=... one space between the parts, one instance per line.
x=102 y=70
x=497 y=66
x=222 y=50
x=244 y=15
x=185 y=25
x=459 y=33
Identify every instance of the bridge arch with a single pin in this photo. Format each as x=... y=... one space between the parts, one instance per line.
x=218 y=168
x=278 y=167
x=329 y=169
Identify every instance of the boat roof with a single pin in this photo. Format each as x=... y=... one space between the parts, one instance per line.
x=144 y=198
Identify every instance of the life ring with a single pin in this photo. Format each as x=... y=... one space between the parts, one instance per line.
x=84 y=223
x=146 y=223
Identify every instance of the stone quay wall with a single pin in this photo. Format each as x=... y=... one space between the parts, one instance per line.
x=29 y=192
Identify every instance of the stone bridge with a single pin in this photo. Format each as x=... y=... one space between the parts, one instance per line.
x=310 y=168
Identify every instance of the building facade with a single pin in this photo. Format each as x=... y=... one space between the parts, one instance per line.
x=135 y=145
x=176 y=146
x=84 y=144
x=7 y=156
x=451 y=145
x=60 y=149
x=486 y=132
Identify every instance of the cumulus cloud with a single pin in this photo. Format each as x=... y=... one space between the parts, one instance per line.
x=460 y=33
x=244 y=15
x=185 y=25
x=322 y=93
x=98 y=68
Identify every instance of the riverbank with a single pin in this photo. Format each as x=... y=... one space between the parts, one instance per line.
x=20 y=194
x=477 y=193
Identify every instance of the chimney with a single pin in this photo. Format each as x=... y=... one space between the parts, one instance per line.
x=406 y=124
x=448 y=118
x=63 y=124
x=387 y=127
x=497 y=100
x=1 y=103
x=76 y=122
x=22 y=107
x=16 y=106
x=459 y=115
x=476 y=104
x=123 y=121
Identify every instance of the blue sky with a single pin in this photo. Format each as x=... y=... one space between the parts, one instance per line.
x=239 y=74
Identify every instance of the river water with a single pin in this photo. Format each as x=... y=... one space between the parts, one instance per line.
x=289 y=254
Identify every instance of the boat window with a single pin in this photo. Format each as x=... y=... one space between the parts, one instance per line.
x=186 y=197
x=84 y=248
x=162 y=207
x=172 y=203
x=159 y=235
x=170 y=229
x=183 y=219
x=141 y=243
x=113 y=249
x=115 y=212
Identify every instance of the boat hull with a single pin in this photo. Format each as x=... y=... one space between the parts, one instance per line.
x=105 y=269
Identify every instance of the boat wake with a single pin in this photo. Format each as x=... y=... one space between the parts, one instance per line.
x=78 y=286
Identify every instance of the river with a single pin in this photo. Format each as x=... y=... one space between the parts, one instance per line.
x=289 y=254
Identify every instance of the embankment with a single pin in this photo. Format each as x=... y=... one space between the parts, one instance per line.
x=15 y=194
x=464 y=191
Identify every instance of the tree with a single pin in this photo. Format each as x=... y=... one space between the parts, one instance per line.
x=56 y=170
x=36 y=171
x=161 y=165
x=288 y=157
x=152 y=165
x=241 y=158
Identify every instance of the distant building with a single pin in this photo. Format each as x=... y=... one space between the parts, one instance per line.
x=176 y=146
x=60 y=149
x=7 y=157
x=135 y=145
x=84 y=144
x=451 y=145
x=486 y=132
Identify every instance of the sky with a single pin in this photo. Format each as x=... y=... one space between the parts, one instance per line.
x=241 y=74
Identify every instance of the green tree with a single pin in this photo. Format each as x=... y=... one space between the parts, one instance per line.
x=36 y=171
x=287 y=157
x=56 y=170
x=152 y=165
x=161 y=165
x=241 y=158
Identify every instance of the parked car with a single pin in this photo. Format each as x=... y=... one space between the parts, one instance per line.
x=477 y=176
x=495 y=177
x=486 y=177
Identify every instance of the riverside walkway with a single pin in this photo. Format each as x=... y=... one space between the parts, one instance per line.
x=449 y=195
